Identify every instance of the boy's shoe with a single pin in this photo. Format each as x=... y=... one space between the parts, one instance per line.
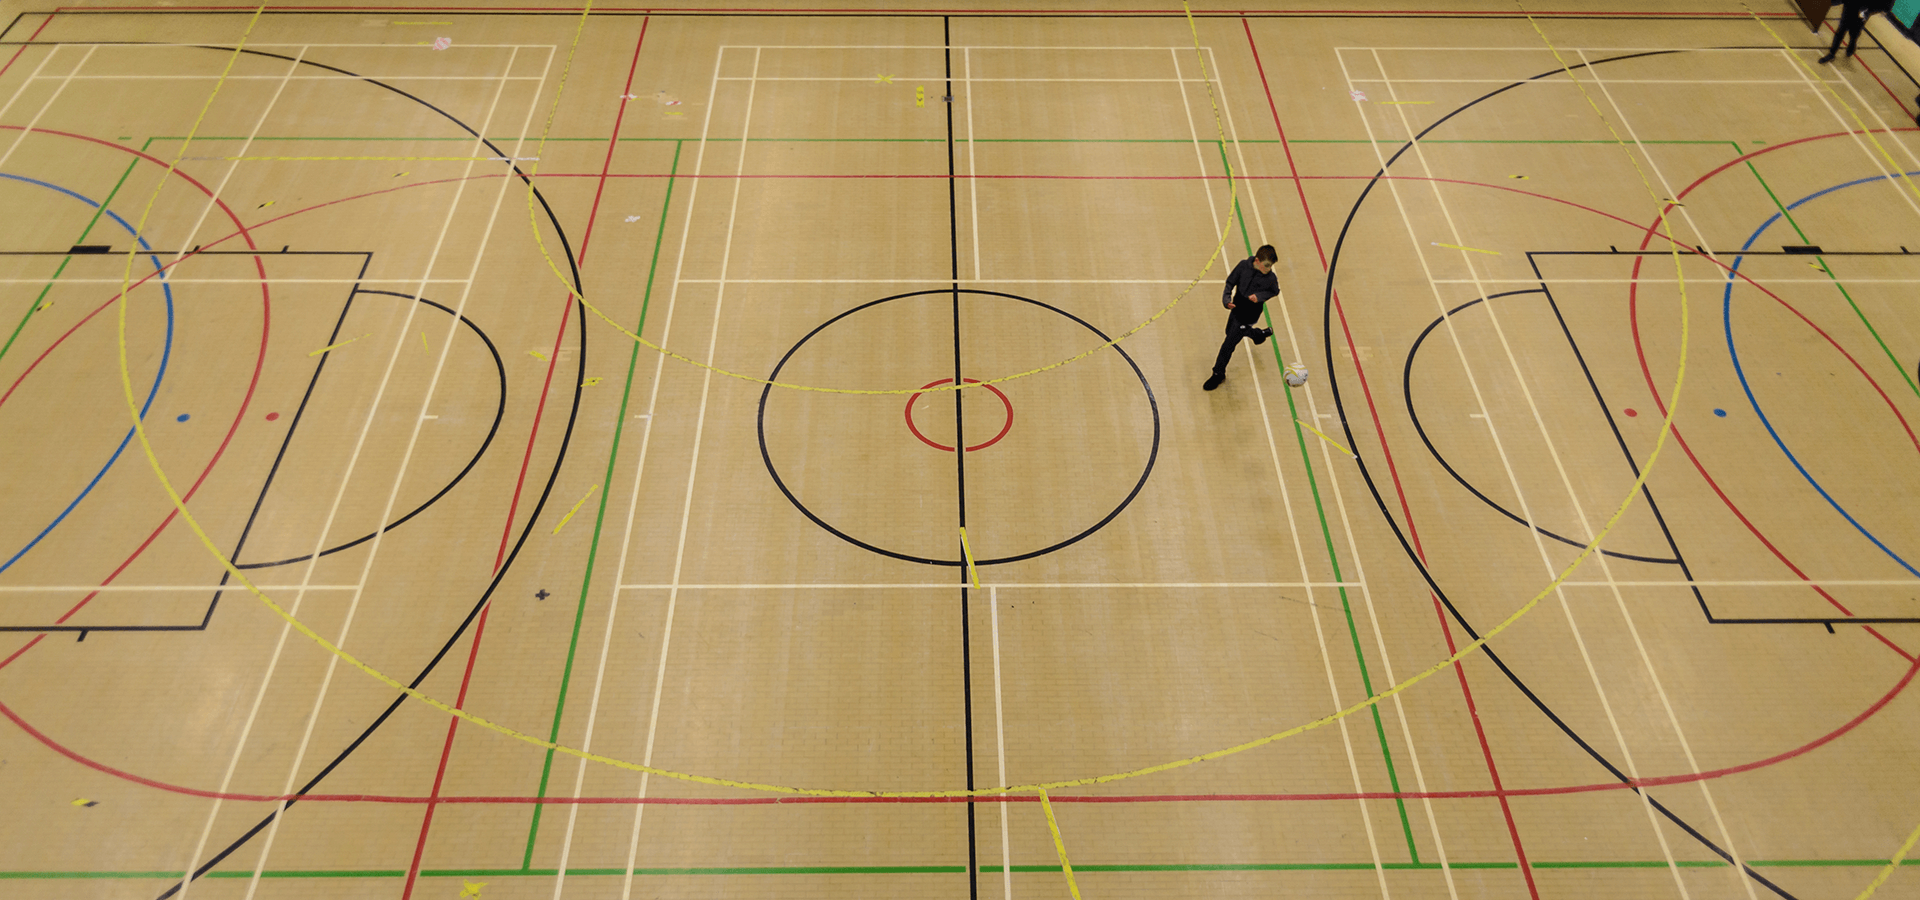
x=1260 y=335
x=1213 y=382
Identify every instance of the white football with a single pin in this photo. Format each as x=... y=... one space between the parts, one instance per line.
x=1297 y=374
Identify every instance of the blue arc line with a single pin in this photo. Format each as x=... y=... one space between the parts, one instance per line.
x=166 y=351
x=1726 y=317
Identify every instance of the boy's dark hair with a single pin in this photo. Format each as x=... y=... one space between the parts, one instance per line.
x=1266 y=253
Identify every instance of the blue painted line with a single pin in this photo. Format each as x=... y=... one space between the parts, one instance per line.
x=166 y=352
x=1726 y=318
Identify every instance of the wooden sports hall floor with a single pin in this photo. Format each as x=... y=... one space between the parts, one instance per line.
x=321 y=417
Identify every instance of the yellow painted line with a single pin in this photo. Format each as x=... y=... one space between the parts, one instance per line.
x=1892 y=864
x=1059 y=845
x=973 y=571
x=537 y=355
x=1329 y=440
x=1518 y=177
x=241 y=578
x=423 y=343
x=1458 y=247
x=575 y=509
x=359 y=159
x=82 y=802
x=339 y=345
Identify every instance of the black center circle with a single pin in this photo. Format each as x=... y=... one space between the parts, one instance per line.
x=861 y=471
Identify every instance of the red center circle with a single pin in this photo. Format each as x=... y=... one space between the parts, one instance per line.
x=944 y=448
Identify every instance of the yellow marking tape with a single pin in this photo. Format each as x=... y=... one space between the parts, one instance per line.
x=575 y=509
x=44 y=306
x=240 y=577
x=537 y=355
x=973 y=571
x=471 y=888
x=1458 y=247
x=1337 y=445
x=590 y=382
x=339 y=345
x=884 y=79
x=920 y=95
x=1892 y=864
x=1520 y=177
x=1059 y=845
x=82 y=802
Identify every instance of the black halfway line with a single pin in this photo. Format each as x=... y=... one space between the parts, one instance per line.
x=960 y=466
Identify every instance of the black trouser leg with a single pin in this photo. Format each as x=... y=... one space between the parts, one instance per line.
x=1236 y=330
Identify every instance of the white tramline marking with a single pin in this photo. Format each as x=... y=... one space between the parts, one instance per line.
x=286 y=629
x=973 y=167
x=666 y=637
x=1500 y=447
x=1000 y=747
x=400 y=345
x=1890 y=136
x=1328 y=464
x=31 y=77
x=22 y=136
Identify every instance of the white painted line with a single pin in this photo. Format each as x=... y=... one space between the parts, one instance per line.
x=1328 y=464
x=1000 y=747
x=157 y=588
x=673 y=596
x=22 y=135
x=948 y=585
x=373 y=410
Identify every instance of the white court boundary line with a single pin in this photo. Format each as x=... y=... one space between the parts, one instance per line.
x=404 y=339
x=1340 y=503
x=286 y=628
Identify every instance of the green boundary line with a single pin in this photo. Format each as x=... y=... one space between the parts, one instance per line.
x=953 y=870
x=97 y=213
x=1824 y=267
x=600 y=518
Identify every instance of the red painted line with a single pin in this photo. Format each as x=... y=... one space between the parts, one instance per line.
x=1875 y=708
x=585 y=238
x=439 y=776
x=944 y=448
x=23 y=47
x=266 y=314
x=988 y=11
x=1633 y=320
x=533 y=434
x=1446 y=630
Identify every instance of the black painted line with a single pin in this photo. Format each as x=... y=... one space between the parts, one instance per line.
x=506 y=565
x=960 y=468
x=1606 y=411
x=90 y=250
x=286 y=441
x=499 y=413
x=1406 y=392
x=1373 y=488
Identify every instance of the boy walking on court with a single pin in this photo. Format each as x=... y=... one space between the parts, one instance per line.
x=1249 y=286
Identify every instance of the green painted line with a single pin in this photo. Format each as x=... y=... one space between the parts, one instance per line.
x=1333 y=559
x=951 y=870
x=600 y=518
x=97 y=213
x=1838 y=285
x=703 y=870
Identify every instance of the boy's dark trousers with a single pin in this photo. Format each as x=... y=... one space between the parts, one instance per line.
x=1242 y=322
